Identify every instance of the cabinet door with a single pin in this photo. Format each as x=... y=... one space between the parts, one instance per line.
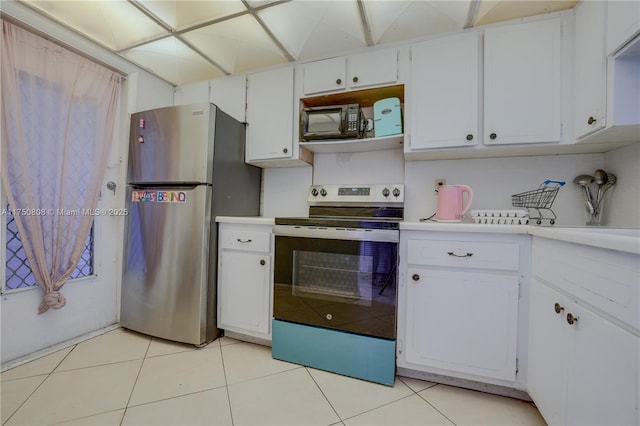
x=444 y=78
x=463 y=322
x=522 y=72
x=243 y=299
x=590 y=68
x=270 y=114
x=603 y=372
x=324 y=76
x=548 y=345
x=369 y=69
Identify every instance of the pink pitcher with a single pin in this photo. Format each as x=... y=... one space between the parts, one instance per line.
x=451 y=207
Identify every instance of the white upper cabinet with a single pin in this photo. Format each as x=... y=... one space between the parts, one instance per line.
x=590 y=68
x=346 y=73
x=522 y=83
x=374 y=68
x=270 y=119
x=623 y=23
x=444 y=92
x=324 y=76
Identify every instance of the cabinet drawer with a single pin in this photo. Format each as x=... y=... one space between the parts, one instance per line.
x=246 y=239
x=464 y=254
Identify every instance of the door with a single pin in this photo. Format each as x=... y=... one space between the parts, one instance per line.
x=462 y=321
x=164 y=288
x=369 y=69
x=244 y=291
x=522 y=76
x=444 y=76
x=270 y=115
x=590 y=68
x=342 y=284
x=549 y=342
x=171 y=145
x=324 y=76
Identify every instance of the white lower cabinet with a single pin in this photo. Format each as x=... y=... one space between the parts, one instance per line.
x=583 y=357
x=244 y=279
x=459 y=305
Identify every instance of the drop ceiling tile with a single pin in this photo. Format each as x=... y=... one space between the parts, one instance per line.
x=401 y=20
x=173 y=61
x=181 y=14
x=491 y=11
x=237 y=45
x=312 y=29
x=115 y=24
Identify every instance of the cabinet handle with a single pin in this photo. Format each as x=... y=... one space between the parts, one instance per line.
x=591 y=120
x=493 y=136
x=339 y=81
x=558 y=308
x=571 y=319
x=415 y=277
x=285 y=150
x=450 y=253
x=355 y=79
x=469 y=137
x=243 y=241
x=262 y=262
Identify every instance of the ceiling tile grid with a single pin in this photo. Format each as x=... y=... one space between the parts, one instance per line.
x=184 y=41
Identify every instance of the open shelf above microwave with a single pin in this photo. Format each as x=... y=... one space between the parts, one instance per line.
x=354 y=145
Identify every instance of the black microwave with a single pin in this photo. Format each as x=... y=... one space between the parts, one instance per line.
x=331 y=122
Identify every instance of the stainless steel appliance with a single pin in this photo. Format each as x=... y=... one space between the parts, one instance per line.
x=186 y=166
x=332 y=122
x=335 y=279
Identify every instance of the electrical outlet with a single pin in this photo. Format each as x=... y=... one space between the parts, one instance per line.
x=438 y=183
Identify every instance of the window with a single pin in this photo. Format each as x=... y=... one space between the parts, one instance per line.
x=18 y=273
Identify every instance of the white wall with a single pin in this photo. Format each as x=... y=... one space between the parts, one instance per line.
x=623 y=200
x=493 y=181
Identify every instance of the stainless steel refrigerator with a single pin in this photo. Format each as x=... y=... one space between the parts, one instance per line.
x=186 y=166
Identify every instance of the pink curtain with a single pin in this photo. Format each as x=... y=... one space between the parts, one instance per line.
x=58 y=115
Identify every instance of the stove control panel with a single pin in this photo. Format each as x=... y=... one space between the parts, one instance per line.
x=389 y=194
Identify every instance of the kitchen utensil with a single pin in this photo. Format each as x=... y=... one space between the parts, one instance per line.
x=584 y=181
x=611 y=180
x=451 y=206
x=600 y=178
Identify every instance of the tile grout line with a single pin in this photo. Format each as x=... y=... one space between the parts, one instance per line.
x=41 y=383
x=226 y=382
x=126 y=407
x=323 y=394
x=434 y=407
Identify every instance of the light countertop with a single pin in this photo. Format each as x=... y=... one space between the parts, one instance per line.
x=627 y=240
x=246 y=220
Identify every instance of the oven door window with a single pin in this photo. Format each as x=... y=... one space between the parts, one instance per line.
x=339 y=284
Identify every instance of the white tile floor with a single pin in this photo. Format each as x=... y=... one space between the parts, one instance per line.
x=124 y=378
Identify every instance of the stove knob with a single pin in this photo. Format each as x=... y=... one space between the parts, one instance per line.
x=323 y=192
x=385 y=192
x=314 y=192
x=396 y=192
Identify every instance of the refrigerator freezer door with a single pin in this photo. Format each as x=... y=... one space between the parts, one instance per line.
x=166 y=288
x=172 y=144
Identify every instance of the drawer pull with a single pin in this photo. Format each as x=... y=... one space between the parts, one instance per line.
x=415 y=277
x=262 y=262
x=571 y=319
x=558 y=308
x=243 y=241
x=450 y=253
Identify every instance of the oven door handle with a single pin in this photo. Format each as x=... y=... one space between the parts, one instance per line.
x=377 y=235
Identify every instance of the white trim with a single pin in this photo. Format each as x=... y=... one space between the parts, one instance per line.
x=55 y=348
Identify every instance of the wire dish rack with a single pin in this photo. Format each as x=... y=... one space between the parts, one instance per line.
x=539 y=200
